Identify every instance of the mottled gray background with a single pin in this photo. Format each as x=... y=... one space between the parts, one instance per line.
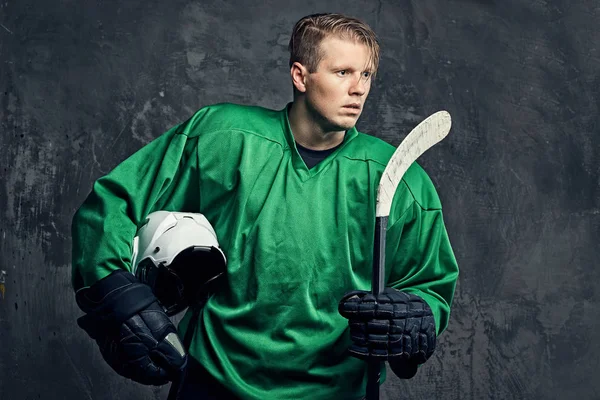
x=83 y=84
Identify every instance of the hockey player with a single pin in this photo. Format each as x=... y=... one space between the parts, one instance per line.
x=291 y=196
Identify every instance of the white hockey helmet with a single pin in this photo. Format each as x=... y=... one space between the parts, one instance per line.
x=178 y=255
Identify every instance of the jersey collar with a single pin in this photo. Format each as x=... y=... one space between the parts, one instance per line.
x=290 y=144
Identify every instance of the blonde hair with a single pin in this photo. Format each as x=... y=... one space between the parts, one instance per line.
x=309 y=31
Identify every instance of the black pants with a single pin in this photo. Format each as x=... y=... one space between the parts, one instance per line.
x=198 y=384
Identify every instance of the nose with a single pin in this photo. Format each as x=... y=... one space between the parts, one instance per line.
x=359 y=87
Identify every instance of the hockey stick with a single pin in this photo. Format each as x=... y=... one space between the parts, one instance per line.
x=177 y=385
x=429 y=132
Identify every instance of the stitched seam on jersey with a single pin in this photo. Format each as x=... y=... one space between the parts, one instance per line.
x=363 y=159
x=408 y=208
x=403 y=213
x=403 y=181
x=237 y=130
x=416 y=201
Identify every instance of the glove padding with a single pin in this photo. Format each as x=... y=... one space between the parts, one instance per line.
x=394 y=326
x=134 y=334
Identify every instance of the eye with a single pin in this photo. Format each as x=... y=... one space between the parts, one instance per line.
x=342 y=72
x=367 y=74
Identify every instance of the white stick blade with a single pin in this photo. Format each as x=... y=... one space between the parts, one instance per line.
x=425 y=135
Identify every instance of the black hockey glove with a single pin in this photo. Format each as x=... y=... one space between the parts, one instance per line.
x=135 y=336
x=394 y=326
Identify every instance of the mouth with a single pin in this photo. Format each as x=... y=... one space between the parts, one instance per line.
x=355 y=107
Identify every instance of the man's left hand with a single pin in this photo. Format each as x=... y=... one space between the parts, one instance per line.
x=394 y=326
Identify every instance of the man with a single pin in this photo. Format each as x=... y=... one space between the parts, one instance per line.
x=291 y=195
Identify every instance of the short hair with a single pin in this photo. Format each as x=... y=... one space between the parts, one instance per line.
x=309 y=31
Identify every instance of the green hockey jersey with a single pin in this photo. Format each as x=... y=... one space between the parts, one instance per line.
x=296 y=240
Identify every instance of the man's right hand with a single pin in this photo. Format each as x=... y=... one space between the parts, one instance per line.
x=135 y=336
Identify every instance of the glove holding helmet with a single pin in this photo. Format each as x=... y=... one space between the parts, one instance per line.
x=176 y=262
x=135 y=336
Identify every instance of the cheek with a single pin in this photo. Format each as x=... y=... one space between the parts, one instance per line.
x=324 y=95
x=335 y=93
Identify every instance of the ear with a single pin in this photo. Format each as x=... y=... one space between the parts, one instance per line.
x=299 y=74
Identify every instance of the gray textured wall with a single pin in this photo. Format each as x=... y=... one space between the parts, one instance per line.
x=85 y=84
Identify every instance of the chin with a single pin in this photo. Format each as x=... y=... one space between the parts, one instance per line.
x=347 y=126
x=340 y=122
x=347 y=122
x=336 y=126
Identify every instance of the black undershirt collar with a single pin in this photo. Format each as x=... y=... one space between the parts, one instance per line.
x=313 y=157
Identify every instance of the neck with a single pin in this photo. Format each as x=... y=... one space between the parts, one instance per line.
x=309 y=132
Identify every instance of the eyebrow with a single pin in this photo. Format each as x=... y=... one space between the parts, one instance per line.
x=342 y=67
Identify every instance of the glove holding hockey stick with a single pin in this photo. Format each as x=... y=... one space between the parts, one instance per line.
x=134 y=334
x=393 y=326
x=378 y=324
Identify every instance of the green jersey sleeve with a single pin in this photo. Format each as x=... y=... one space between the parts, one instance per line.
x=162 y=175
x=422 y=260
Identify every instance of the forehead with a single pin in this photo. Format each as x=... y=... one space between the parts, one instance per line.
x=336 y=50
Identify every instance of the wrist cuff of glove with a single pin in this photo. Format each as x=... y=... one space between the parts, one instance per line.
x=403 y=369
x=115 y=298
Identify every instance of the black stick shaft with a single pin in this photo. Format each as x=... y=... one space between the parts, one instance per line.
x=178 y=382
x=377 y=286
